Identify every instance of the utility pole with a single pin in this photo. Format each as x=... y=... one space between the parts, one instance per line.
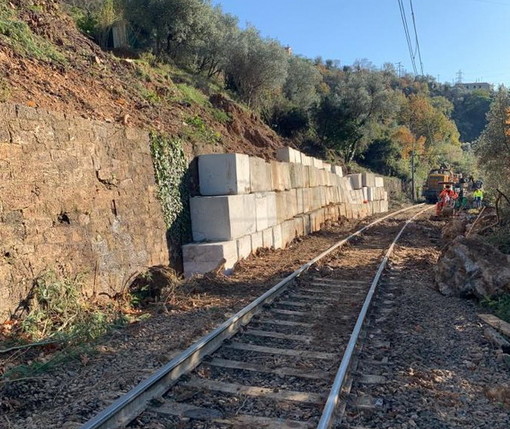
x=459 y=76
x=413 y=191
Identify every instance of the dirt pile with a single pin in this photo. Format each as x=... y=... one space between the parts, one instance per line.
x=471 y=267
x=74 y=76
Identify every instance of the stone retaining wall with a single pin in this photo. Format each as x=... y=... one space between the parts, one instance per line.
x=77 y=197
x=247 y=203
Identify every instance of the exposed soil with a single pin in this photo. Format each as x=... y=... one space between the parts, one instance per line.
x=95 y=84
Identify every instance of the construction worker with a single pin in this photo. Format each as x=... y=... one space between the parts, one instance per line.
x=477 y=198
x=446 y=198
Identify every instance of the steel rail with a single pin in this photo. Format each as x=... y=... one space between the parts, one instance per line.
x=128 y=406
x=327 y=416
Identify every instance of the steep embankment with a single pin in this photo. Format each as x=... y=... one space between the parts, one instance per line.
x=46 y=62
x=77 y=192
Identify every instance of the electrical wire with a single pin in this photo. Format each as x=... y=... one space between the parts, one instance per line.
x=407 y=34
x=416 y=36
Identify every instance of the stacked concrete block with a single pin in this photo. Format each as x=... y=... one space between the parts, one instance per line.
x=267 y=238
x=222 y=218
x=368 y=179
x=243 y=247
x=356 y=180
x=257 y=241
x=260 y=175
x=224 y=174
x=287 y=154
x=265 y=210
x=199 y=258
x=247 y=204
x=337 y=170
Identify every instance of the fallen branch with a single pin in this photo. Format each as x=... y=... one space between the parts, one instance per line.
x=474 y=223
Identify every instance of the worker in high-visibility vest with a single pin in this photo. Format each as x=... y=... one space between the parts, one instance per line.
x=446 y=197
x=477 y=198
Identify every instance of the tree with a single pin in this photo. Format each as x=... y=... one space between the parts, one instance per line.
x=360 y=103
x=493 y=147
x=300 y=87
x=255 y=66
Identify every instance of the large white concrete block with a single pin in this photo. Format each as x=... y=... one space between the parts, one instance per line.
x=365 y=193
x=297 y=176
x=317 y=163
x=348 y=183
x=277 y=236
x=384 y=206
x=280 y=172
x=300 y=206
x=257 y=241
x=327 y=166
x=379 y=181
x=337 y=170
x=267 y=238
x=372 y=194
x=356 y=180
x=288 y=232
x=200 y=258
x=385 y=196
x=306 y=160
x=222 y=218
x=313 y=174
x=224 y=174
x=265 y=210
x=288 y=154
x=368 y=179
x=243 y=247
x=260 y=175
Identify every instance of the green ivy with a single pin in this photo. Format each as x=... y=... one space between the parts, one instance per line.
x=172 y=178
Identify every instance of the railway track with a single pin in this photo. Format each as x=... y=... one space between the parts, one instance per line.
x=281 y=362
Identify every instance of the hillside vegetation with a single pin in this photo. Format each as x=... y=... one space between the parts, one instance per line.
x=188 y=70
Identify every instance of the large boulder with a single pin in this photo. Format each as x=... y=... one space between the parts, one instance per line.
x=471 y=267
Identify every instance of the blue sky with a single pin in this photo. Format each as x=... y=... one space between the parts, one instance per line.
x=468 y=35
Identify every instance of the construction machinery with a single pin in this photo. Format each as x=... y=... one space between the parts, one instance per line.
x=436 y=180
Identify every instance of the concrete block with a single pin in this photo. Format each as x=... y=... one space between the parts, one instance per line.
x=365 y=193
x=292 y=203
x=267 y=238
x=288 y=232
x=368 y=179
x=243 y=247
x=300 y=206
x=327 y=166
x=281 y=209
x=257 y=241
x=379 y=181
x=260 y=175
x=317 y=163
x=200 y=258
x=288 y=154
x=306 y=160
x=385 y=196
x=316 y=198
x=372 y=194
x=307 y=194
x=280 y=173
x=317 y=219
x=337 y=170
x=348 y=183
x=305 y=226
x=222 y=218
x=265 y=210
x=356 y=181
x=299 y=226
x=224 y=174
x=313 y=174
x=297 y=175
x=277 y=237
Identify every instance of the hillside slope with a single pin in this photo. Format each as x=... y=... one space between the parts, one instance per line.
x=48 y=63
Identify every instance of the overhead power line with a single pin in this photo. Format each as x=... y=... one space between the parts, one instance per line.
x=406 y=31
x=413 y=52
x=416 y=37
